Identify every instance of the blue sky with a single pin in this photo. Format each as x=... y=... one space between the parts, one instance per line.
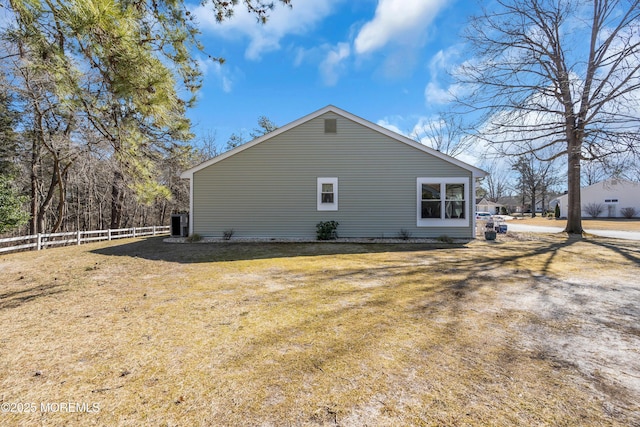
x=383 y=60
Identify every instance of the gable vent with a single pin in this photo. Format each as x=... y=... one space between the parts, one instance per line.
x=330 y=126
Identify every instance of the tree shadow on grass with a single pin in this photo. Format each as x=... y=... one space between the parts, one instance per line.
x=625 y=248
x=498 y=255
x=188 y=253
x=17 y=298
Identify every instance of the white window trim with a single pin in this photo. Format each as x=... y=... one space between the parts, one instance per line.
x=443 y=222
x=327 y=206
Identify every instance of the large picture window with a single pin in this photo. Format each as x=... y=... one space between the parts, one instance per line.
x=327 y=194
x=443 y=202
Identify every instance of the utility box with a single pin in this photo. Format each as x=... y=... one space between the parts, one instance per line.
x=179 y=225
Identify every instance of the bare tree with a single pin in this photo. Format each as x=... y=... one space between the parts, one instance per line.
x=535 y=179
x=557 y=78
x=592 y=173
x=496 y=184
x=206 y=148
x=445 y=134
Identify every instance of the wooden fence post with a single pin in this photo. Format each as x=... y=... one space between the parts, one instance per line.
x=39 y=242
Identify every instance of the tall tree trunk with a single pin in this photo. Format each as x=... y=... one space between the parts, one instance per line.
x=62 y=177
x=117 y=197
x=163 y=212
x=574 y=214
x=44 y=207
x=35 y=199
x=533 y=203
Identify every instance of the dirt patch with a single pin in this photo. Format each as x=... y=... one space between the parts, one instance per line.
x=586 y=324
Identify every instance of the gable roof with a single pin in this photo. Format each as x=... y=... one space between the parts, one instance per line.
x=485 y=201
x=476 y=172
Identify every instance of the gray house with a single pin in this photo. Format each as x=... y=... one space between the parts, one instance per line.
x=332 y=166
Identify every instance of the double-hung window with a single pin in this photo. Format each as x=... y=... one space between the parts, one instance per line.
x=443 y=202
x=327 y=198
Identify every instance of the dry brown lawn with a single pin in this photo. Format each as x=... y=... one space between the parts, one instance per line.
x=587 y=223
x=537 y=331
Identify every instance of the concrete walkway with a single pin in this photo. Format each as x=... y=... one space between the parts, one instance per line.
x=616 y=234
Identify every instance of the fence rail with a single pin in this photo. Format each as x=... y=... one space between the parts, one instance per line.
x=43 y=240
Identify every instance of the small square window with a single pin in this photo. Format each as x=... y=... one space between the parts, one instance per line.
x=330 y=126
x=327 y=198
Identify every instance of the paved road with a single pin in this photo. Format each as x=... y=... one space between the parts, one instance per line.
x=629 y=235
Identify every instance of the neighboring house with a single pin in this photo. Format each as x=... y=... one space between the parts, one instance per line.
x=513 y=204
x=332 y=166
x=613 y=194
x=485 y=205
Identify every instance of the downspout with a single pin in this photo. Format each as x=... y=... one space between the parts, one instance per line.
x=472 y=212
x=191 y=205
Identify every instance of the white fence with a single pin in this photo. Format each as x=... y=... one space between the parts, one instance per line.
x=41 y=241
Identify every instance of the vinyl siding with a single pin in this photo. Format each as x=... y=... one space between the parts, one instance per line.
x=270 y=189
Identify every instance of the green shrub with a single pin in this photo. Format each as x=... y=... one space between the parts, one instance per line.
x=327 y=230
x=195 y=237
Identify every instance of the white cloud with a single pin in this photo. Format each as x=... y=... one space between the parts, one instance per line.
x=441 y=66
x=386 y=123
x=434 y=94
x=397 y=20
x=222 y=73
x=333 y=63
x=443 y=61
x=266 y=38
x=331 y=60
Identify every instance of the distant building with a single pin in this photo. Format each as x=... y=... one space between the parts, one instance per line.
x=485 y=205
x=613 y=194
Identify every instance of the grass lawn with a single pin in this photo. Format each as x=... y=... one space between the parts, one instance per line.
x=619 y=224
x=542 y=331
